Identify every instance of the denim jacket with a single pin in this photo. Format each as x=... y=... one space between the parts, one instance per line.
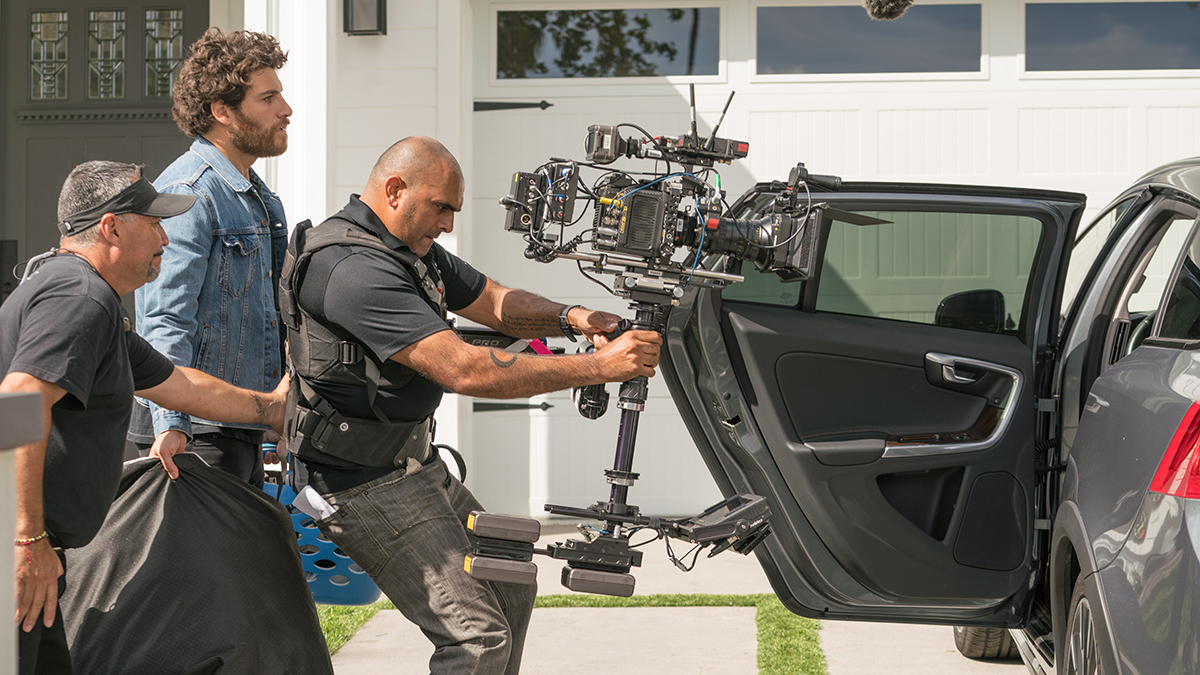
x=213 y=305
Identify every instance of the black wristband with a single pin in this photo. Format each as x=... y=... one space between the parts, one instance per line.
x=564 y=324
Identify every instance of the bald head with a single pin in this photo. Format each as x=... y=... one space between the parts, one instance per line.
x=415 y=189
x=414 y=160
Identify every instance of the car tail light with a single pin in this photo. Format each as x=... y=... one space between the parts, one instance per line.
x=1179 y=473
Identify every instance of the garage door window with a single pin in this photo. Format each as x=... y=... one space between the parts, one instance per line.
x=537 y=44
x=844 y=39
x=1112 y=36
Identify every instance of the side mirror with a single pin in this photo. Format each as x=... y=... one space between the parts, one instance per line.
x=979 y=310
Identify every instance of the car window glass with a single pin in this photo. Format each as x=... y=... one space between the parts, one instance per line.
x=1158 y=271
x=764 y=288
x=1087 y=247
x=960 y=270
x=761 y=287
x=1181 y=319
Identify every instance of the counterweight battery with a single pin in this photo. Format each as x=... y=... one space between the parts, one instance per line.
x=501 y=548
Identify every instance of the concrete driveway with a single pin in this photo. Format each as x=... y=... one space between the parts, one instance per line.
x=580 y=640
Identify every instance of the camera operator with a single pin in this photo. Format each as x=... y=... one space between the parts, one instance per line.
x=365 y=295
x=63 y=333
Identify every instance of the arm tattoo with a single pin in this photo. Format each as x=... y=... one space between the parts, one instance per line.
x=499 y=362
x=260 y=408
x=530 y=323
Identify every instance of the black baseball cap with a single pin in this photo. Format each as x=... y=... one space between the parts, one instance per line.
x=140 y=198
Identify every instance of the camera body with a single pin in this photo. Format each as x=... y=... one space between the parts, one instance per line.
x=636 y=220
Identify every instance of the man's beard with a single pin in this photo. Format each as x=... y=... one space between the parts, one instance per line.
x=256 y=141
x=409 y=217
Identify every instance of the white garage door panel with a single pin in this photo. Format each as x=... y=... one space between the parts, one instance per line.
x=827 y=141
x=1173 y=133
x=934 y=142
x=1074 y=141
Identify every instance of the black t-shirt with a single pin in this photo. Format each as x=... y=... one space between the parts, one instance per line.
x=65 y=325
x=366 y=296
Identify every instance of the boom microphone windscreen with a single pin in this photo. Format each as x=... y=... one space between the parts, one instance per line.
x=886 y=10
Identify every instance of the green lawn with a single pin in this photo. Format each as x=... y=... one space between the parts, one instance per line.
x=786 y=643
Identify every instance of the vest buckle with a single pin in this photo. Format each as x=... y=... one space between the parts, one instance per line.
x=349 y=353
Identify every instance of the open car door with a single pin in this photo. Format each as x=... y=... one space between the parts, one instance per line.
x=889 y=406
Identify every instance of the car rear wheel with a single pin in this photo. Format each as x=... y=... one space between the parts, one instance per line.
x=1081 y=657
x=985 y=643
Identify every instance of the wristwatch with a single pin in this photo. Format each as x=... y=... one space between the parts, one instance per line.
x=564 y=324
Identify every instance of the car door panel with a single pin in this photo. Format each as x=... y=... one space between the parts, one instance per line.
x=871 y=383
x=898 y=456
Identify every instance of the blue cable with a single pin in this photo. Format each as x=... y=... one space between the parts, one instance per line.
x=656 y=180
x=696 y=261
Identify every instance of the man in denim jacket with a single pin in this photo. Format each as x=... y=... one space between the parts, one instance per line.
x=214 y=307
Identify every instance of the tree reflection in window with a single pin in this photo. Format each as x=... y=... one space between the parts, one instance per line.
x=607 y=43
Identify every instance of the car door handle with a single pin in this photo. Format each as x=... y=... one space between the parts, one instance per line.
x=950 y=374
x=950 y=368
x=961 y=370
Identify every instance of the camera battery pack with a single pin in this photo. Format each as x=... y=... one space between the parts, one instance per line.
x=598 y=582
x=508 y=528
x=501 y=570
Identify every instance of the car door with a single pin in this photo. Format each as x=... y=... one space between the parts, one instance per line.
x=888 y=406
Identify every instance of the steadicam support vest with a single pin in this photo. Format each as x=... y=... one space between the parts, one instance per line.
x=318 y=355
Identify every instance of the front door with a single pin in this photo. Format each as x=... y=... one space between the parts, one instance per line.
x=82 y=80
x=888 y=408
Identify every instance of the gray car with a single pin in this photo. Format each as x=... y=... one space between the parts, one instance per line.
x=977 y=413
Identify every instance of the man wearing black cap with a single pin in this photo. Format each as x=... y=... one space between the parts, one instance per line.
x=63 y=333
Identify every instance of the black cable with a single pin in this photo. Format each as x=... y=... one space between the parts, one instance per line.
x=678 y=562
x=645 y=133
x=630 y=533
x=591 y=278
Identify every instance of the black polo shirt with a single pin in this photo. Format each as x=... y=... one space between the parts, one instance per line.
x=365 y=296
x=65 y=325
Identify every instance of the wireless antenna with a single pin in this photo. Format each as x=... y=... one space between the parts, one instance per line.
x=692 y=91
x=713 y=137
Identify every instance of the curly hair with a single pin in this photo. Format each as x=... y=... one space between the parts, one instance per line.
x=218 y=69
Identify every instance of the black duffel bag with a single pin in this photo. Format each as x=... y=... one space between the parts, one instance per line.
x=196 y=576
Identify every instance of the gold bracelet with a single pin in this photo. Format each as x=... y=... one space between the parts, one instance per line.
x=31 y=540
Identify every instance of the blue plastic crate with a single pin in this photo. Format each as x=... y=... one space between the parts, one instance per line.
x=333 y=577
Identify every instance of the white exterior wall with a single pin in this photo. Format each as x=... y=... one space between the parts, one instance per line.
x=1093 y=133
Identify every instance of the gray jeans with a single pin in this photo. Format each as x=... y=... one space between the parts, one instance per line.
x=409 y=533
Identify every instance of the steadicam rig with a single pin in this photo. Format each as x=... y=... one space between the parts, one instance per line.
x=640 y=222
